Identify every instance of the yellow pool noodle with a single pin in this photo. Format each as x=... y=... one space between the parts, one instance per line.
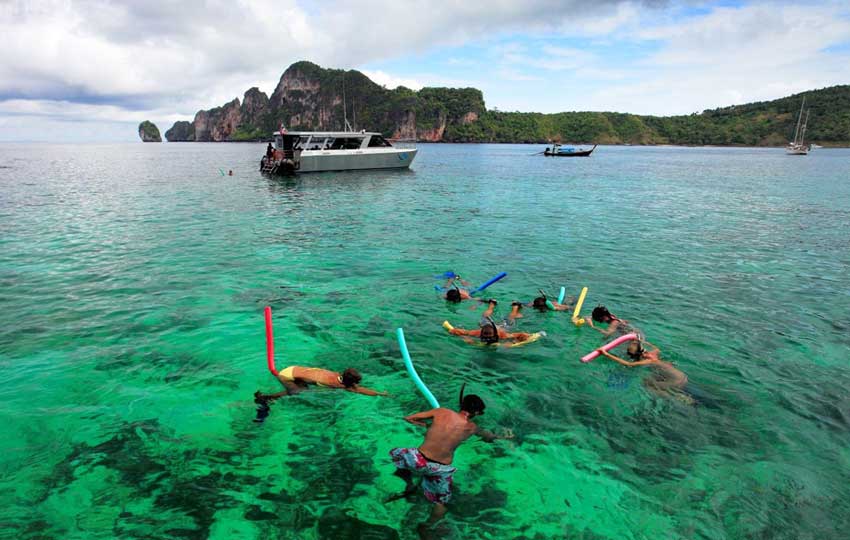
x=576 y=319
x=448 y=326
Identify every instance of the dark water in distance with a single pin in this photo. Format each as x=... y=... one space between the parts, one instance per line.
x=132 y=283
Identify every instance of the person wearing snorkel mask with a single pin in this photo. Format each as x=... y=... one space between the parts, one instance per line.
x=432 y=460
x=542 y=303
x=455 y=293
x=666 y=381
x=296 y=379
x=490 y=333
x=601 y=314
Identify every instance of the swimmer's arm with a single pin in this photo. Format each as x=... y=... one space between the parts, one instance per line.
x=616 y=358
x=488 y=436
x=600 y=330
x=416 y=418
x=366 y=391
x=651 y=345
x=462 y=332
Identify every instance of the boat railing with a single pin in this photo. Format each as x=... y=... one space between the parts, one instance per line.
x=406 y=144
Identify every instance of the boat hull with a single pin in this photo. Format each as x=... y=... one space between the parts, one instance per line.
x=355 y=160
x=571 y=154
x=563 y=153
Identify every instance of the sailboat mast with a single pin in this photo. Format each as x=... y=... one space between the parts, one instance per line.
x=345 y=109
x=799 y=117
x=803 y=131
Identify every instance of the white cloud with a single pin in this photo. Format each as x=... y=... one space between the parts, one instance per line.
x=97 y=59
x=390 y=81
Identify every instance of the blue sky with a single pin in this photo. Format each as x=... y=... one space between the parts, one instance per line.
x=93 y=69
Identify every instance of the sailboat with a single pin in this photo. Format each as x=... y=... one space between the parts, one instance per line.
x=798 y=147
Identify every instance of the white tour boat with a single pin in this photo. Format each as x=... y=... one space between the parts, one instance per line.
x=318 y=151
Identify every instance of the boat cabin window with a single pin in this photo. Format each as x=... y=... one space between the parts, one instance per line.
x=346 y=143
x=285 y=142
x=378 y=141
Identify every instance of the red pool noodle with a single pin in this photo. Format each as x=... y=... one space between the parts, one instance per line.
x=270 y=341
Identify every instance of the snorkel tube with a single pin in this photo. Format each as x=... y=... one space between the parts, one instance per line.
x=408 y=363
x=488 y=283
x=549 y=303
x=270 y=341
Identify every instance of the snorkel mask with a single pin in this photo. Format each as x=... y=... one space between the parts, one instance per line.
x=494 y=337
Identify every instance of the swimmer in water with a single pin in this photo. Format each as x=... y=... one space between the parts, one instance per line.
x=601 y=314
x=297 y=379
x=490 y=333
x=454 y=293
x=666 y=381
x=541 y=303
x=432 y=460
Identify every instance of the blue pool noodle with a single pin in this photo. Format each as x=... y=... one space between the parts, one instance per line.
x=490 y=282
x=408 y=363
x=561 y=295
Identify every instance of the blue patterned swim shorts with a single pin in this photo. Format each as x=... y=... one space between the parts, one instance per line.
x=436 y=477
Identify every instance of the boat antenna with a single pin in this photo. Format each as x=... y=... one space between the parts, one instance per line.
x=347 y=126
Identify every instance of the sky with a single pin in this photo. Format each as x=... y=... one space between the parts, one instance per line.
x=91 y=70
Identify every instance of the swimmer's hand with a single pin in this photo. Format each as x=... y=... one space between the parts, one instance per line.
x=589 y=321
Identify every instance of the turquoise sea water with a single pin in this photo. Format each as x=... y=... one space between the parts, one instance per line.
x=132 y=283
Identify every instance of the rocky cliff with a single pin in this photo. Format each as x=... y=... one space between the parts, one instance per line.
x=308 y=97
x=148 y=132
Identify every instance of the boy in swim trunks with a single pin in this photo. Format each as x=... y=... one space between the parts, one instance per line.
x=296 y=379
x=667 y=380
x=433 y=459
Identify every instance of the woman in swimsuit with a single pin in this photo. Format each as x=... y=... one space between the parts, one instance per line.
x=666 y=381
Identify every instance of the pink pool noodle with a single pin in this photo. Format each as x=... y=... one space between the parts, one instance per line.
x=270 y=341
x=608 y=346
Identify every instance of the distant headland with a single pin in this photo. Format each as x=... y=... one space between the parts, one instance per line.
x=309 y=97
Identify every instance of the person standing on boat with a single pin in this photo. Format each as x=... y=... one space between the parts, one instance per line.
x=269 y=151
x=432 y=460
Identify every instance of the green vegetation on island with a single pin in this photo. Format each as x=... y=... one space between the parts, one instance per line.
x=148 y=132
x=309 y=97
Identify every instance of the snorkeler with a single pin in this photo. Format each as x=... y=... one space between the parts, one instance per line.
x=491 y=333
x=454 y=293
x=296 y=379
x=433 y=458
x=601 y=314
x=542 y=303
x=667 y=380
x=457 y=294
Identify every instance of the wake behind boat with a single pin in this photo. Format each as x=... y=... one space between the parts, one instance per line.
x=567 y=151
x=319 y=151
